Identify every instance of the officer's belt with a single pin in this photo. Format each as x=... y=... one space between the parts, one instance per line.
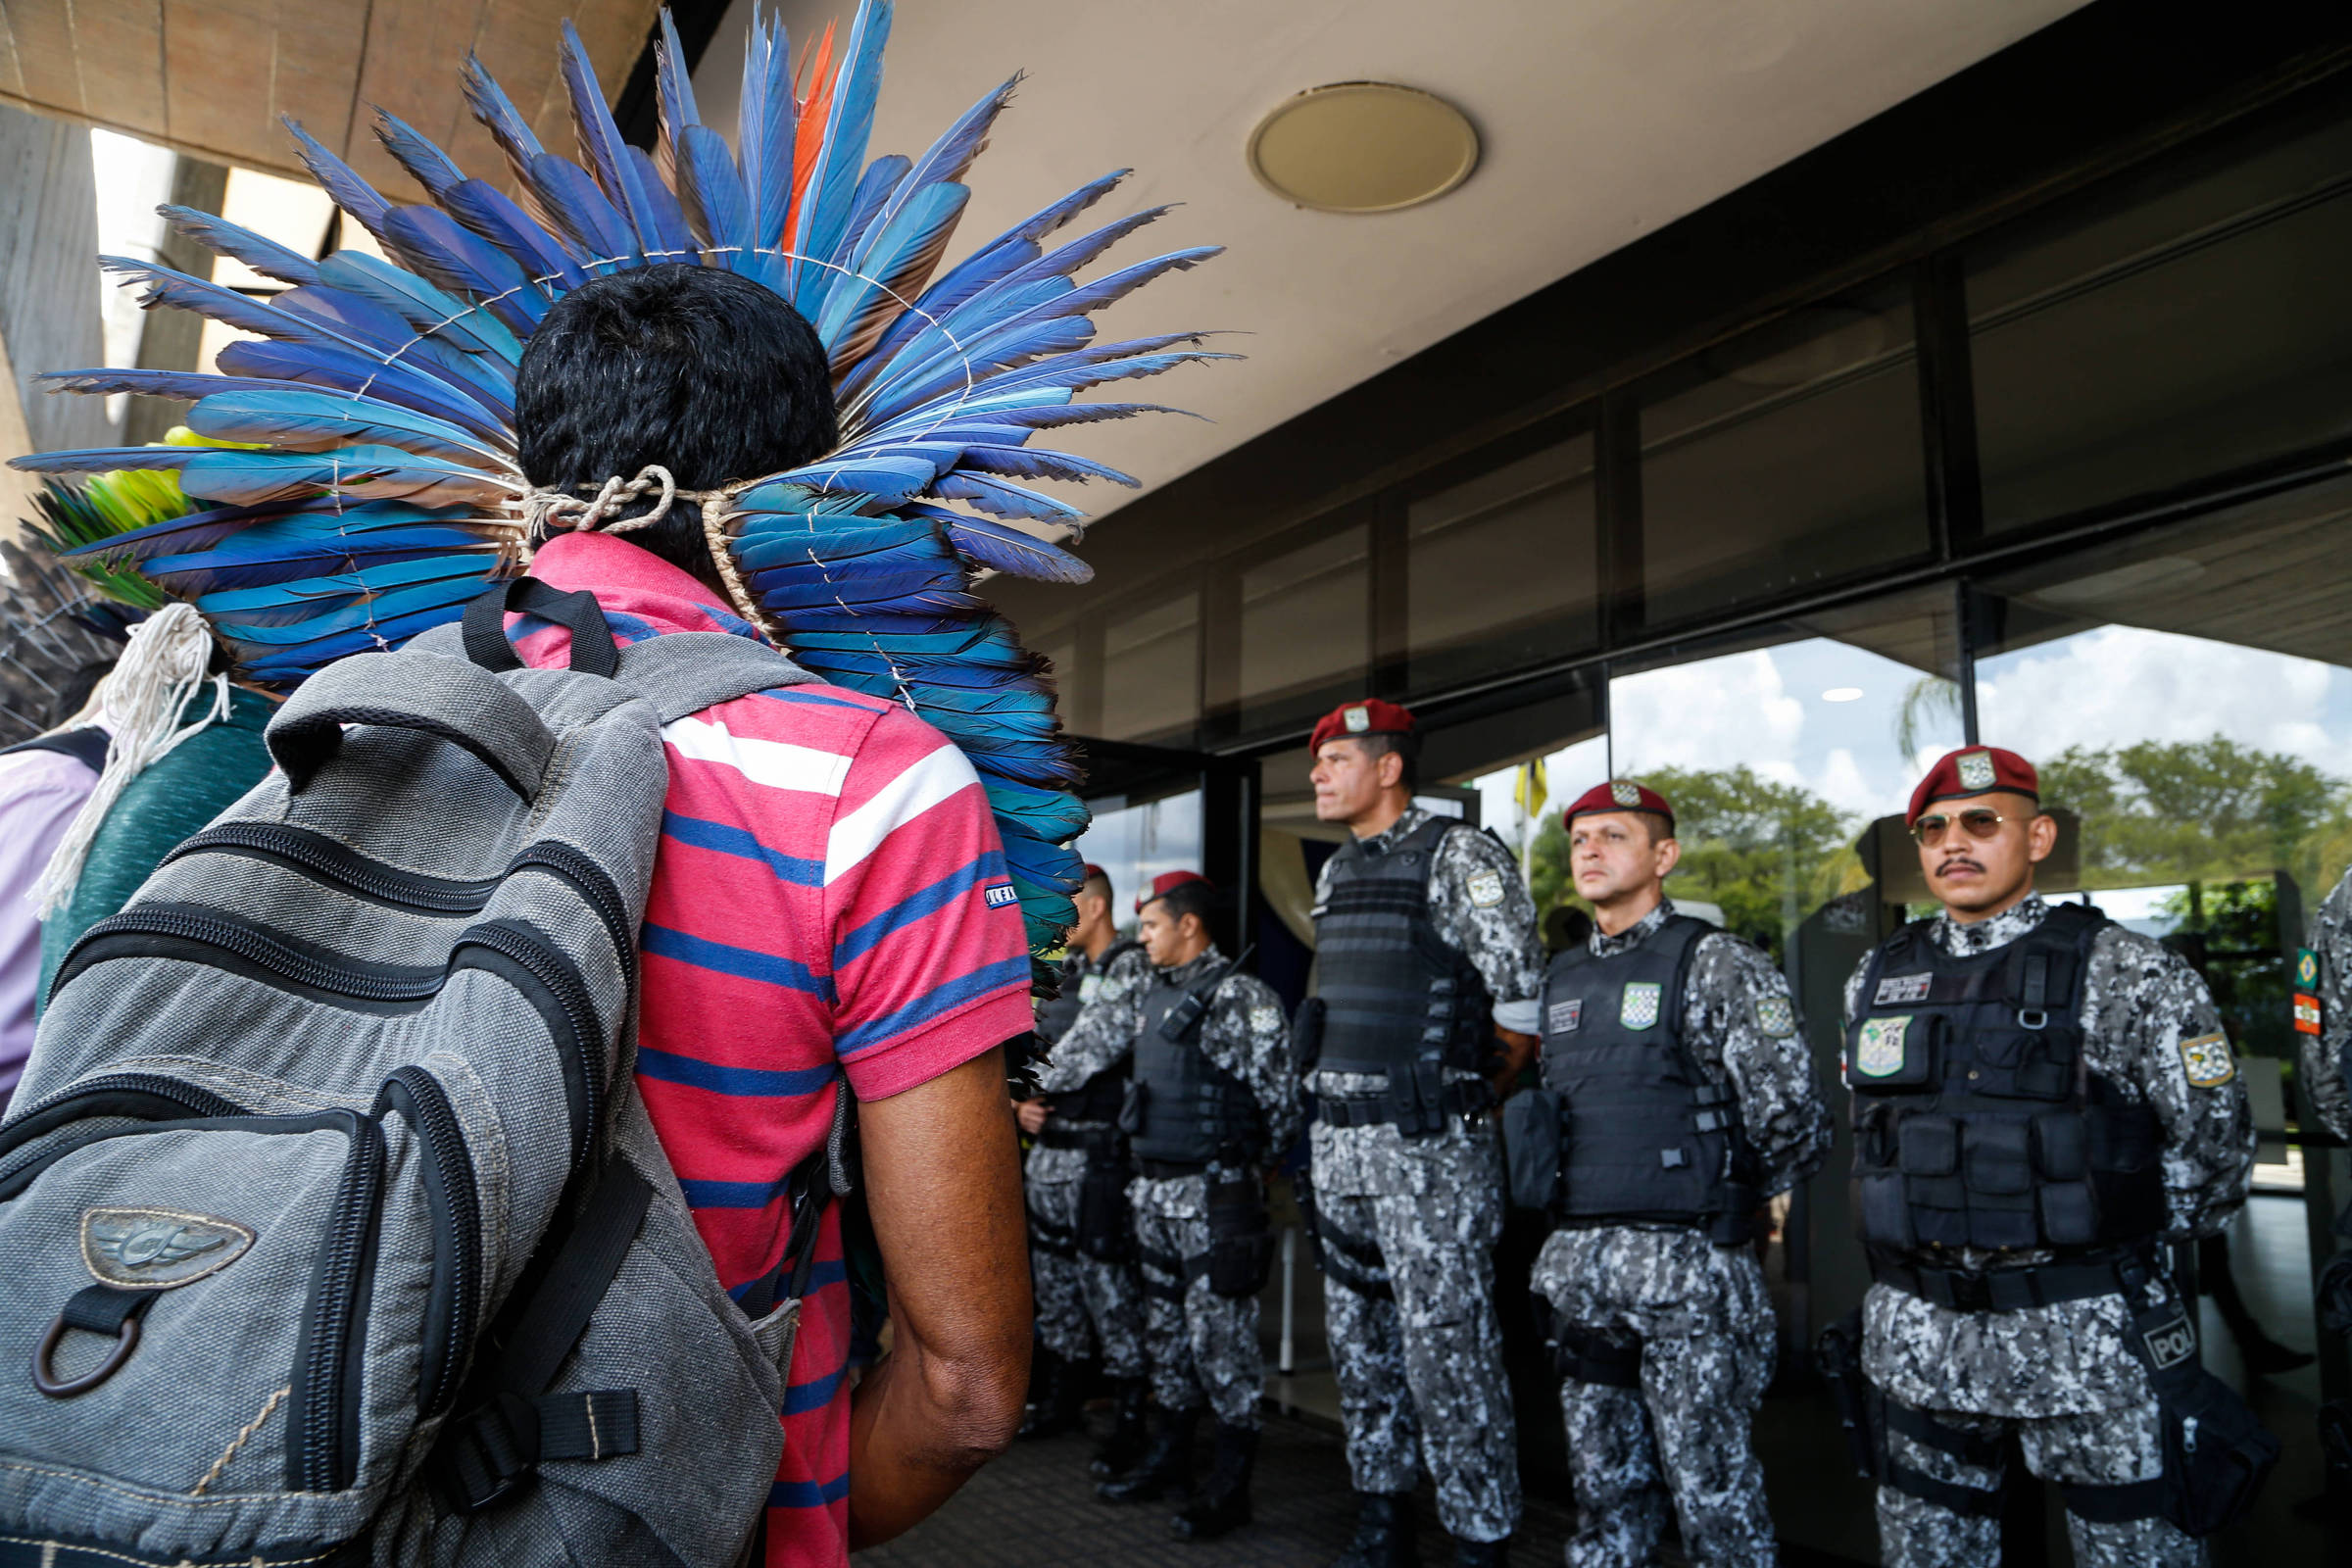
x=1077 y=1135
x=1461 y=1097
x=2000 y=1289
x=1170 y=1170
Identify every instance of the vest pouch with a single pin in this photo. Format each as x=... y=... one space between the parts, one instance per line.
x=1106 y=1224
x=1241 y=1241
x=2070 y=1214
x=1135 y=1106
x=1531 y=1141
x=1307 y=1034
x=1928 y=1145
x=1892 y=1054
x=1885 y=1211
x=2061 y=1151
x=1999 y=1161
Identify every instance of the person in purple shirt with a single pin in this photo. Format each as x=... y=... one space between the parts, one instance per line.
x=43 y=784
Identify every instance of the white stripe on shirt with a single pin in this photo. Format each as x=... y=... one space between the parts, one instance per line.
x=778 y=765
x=946 y=772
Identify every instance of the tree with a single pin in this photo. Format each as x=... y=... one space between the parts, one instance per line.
x=2210 y=810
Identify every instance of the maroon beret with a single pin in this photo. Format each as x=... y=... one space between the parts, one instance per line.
x=1618 y=795
x=1089 y=871
x=1975 y=771
x=1165 y=883
x=1371 y=716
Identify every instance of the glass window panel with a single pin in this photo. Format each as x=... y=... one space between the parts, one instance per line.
x=2151 y=339
x=1151 y=671
x=1305 y=624
x=1501 y=570
x=1787 y=457
x=1136 y=843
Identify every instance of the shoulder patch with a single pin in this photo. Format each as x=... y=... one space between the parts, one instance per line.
x=1774 y=1015
x=1485 y=889
x=2307 y=968
x=2207 y=1060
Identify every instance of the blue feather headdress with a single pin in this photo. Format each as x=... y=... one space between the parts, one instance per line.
x=379 y=488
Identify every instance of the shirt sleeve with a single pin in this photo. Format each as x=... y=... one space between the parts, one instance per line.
x=1739 y=1008
x=2172 y=1034
x=930 y=962
x=2322 y=1067
x=1104 y=1029
x=1247 y=1035
x=1481 y=906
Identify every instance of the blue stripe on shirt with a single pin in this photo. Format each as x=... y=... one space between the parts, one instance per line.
x=808 y=1493
x=938 y=1003
x=987 y=868
x=725 y=838
x=814 y=1394
x=823 y=699
x=745 y=963
x=672 y=1067
x=820 y=1275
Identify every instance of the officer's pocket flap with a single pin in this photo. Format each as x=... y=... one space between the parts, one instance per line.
x=1928 y=1145
x=2058 y=1147
x=1997 y=1161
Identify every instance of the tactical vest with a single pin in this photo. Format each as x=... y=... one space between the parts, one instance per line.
x=1644 y=1134
x=1098 y=1099
x=1394 y=993
x=1977 y=1120
x=1190 y=1109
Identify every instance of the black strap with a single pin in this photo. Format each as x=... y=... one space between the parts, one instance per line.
x=2117 y=1503
x=812 y=1185
x=1979 y=1448
x=1973 y=1501
x=103 y=1309
x=1151 y=1262
x=593 y=650
x=2000 y=1289
x=1354 y=1261
x=86 y=745
x=588 y=1426
x=1462 y=1097
x=1579 y=1355
x=582 y=1271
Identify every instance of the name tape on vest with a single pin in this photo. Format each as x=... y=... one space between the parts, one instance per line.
x=1565 y=1017
x=1895 y=990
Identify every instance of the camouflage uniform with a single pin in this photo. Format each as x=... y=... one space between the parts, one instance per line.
x=1698 y=1311
x=1421 y=1375
x=1083 y=1302
x=2063 y=1376
x=1199 y=1344
x=2322 y=1065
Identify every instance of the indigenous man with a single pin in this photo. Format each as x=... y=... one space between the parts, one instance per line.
x=2042 y=1100
x=1215 y=1097
x=1428 y=960
x=1081 y=1236
x=1686 y=1100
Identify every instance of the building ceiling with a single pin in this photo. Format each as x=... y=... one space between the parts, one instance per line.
x=211 y=78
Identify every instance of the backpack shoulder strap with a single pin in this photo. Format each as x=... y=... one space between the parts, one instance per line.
x=684 y=673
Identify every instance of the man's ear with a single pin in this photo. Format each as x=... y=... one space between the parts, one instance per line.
x=1390 y=769
x=2041 y=838
x=1670 y=855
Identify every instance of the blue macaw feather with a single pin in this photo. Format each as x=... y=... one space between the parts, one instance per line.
x=764 y=133
x=360 y=200
x=458 y=258
x=578 y=211
x=1023 y=711
x=948 y=343
x=428 y=309
x=883 y=476
x=427 y=163
x=1004 y=499
x=904 y=249
x=498 y=115
x=317 y=608
x=224 y=238
x=939 y=590
x=532 y=245
x=214 y=301
x=183 y=385
x=711 y=193
x=782 y=503
x=950 y=156
x=603 y=153
x=301 y=419
x=872 y=623
x=958 y=376
x=369 y=473
x=890 y=539
x=824 y=210
x=289 y=663
x=870 y=667
x=874 y=190
x=345 y=371
x=990 y=644
x=294 y=557
x=673 y=238
x=992 y=544
x=371 y=328
x=199 y=532
x=1051 y=816
x=673 y=85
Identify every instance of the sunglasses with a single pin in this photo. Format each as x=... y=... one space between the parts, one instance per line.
x=1980 y=822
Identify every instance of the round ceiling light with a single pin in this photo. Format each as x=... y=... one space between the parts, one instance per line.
x=1362 y=147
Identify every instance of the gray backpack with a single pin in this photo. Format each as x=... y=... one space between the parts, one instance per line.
x=334 y=1231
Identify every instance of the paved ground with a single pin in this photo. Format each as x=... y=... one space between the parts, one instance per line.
x=1036 y=1506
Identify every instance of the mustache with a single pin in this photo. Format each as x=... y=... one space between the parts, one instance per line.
x=1958 y=864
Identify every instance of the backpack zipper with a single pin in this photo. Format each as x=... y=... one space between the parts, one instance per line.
x=523 y=946
x=593 y=884
x=255 y=943
x=323 y=1436
x=331 y=862
x=419 y=1096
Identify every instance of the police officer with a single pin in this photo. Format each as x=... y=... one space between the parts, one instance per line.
x=2040 y=1098
x=1081 y=1237
x=1215 y=1096
x=2322 y=1003
x=1684 y=1100
x=1427 y=962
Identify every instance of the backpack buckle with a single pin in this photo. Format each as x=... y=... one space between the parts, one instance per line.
x=490 y=1455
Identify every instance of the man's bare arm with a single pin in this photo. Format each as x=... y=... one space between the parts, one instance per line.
x=943 y=1180
x=1517 y=1052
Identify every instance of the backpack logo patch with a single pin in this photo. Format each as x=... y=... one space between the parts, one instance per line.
x=1897 y=990
x=158 y=1249
x=2307 y=968
x=2207 y=1060
x=1638 y=1008
x=1000 y=893
x=1879 y=1051
x=1565 y=1017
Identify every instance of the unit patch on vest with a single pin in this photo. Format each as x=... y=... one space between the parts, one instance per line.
x=1625 y=793
x=1775 y=1017
x=1639 y=1008
x=2307 y=1014
x=1564 y=1018
x=1897 y=990
x=1000 y=893
x=1485 y=889
x=1976 y=770
x=157 y=1248
x=2307 y=968
x=1357 y=718
x=2207 y=1060
x=1879 y=1051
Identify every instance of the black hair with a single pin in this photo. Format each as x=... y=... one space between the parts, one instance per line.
x=695 y=369
x=1405 y=744
x=1098 y=884
x=1189 y=897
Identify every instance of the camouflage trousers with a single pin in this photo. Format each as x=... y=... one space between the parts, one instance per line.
x=1084 y=1307
x=1201 y=1346
x=2102 y=1447
x=1420 y=1362
x=1683 y=1438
